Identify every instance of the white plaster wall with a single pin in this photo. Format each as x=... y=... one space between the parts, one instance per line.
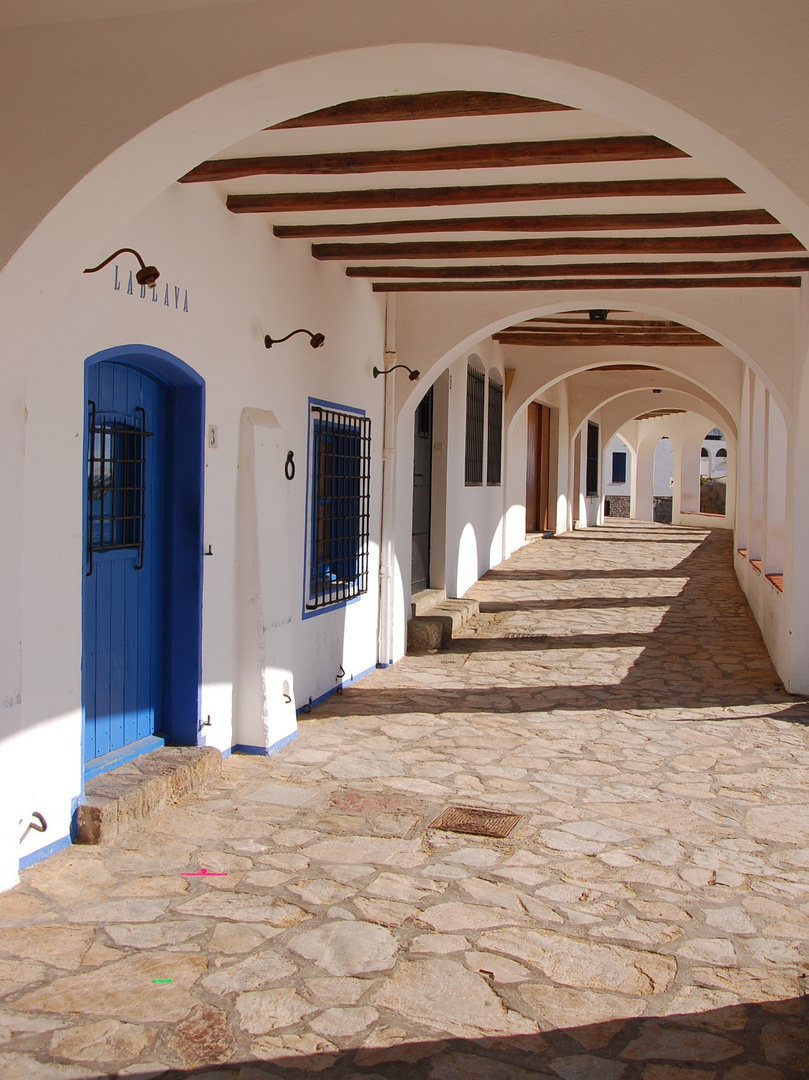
x=616 y=445
x=663 y=467
x=475 y=515
x=255 y=642
x=515 y=482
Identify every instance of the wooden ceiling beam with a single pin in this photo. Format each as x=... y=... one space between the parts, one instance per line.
x=713 y=268
x=440 y=105
x=567 y=284
x=561 y=245
x=431 y=158
x=624 y=340
x=657 y=413
x=585 y=320
x=458 y=195
x=596 y=328
x=704 y=219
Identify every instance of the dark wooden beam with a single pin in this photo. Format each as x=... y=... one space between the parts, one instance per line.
x=475 y=156
x=457 y=195
x=659 y=412
x=444 y=103
x=708 y=219
x=584 y=320
x=624 y=367
x=600 y=328
x=624 y=340
x=560 y=245
x=565 y=284
x=714 y=268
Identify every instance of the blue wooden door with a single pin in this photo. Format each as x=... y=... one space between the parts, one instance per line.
x=125 y=525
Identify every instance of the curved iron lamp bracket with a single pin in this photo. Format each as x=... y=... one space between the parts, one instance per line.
x=412 y=376
x=147 y=275
x=316 y=340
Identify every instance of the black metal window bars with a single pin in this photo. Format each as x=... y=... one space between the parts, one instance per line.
x=494 y=456
x=116 y=472
x=340 y=515
x=475 y=397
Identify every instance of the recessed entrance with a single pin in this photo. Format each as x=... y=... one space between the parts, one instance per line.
x=422 y=493
x=142 y=591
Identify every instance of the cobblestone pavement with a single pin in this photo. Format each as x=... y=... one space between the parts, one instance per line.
x=647 y=919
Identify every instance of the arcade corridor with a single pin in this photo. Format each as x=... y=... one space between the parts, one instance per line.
x=646 y=919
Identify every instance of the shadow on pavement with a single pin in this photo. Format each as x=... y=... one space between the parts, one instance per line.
x=765 y=1041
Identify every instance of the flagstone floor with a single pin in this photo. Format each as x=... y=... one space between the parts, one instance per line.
x=647 y=919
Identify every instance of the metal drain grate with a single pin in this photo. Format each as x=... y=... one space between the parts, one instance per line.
x=466 y=819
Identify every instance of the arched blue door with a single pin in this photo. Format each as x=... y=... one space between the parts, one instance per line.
x=125 y=562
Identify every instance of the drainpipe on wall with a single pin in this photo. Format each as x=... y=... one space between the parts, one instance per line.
x=385 y=640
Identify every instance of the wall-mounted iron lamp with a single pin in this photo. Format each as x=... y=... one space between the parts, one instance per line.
x=412 y=376
x=316 y=339
x=147 y=275
x=657 y=391
x=598 y=315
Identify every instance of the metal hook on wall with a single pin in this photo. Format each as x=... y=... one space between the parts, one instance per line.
x=41 y=827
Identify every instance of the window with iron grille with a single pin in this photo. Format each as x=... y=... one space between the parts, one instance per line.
x=116 y=451
x=494 y=456
x=340 y=480
x=619 y=467
x=591 y=479
x=475 y=397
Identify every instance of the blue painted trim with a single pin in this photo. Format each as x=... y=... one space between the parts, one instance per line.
x=184 y=525
x=126 y=753
x=337 y=606
x=263 y=751
x=307 y=613
x=228 y=752
x=329 y=693
x=44 y=852
x=75 y=803
x=337 y=406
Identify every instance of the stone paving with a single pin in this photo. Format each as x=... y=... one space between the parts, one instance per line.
x=648 y=918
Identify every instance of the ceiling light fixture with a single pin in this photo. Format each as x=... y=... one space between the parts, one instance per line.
x=316 y=340
x=412 y=376
x=147 y=275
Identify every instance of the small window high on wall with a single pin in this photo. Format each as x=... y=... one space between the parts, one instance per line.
x=619 y=467
x=592 y=460
x=339 y=514
x=475 y=398
x=495 y=434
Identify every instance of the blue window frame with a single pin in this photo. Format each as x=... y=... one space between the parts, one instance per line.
x=339 y=512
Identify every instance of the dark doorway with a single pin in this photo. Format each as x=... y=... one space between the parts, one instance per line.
x=538 y=469
x=422 y=493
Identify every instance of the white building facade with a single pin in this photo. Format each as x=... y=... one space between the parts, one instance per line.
x=205 y=536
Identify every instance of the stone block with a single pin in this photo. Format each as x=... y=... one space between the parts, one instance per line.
x=141 y=789
x=428 y=632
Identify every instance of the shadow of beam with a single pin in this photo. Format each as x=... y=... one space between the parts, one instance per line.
x=761 y=1041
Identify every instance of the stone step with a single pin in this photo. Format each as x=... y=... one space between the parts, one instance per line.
x=423 y=602
x=142 y=788
x=436 y=618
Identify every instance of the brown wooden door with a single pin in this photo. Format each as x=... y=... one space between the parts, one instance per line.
x=537 y=486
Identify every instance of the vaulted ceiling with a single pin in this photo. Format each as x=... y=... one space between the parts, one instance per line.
x=468 y=191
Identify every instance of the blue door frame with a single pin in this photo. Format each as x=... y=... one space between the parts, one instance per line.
x=179 y=637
